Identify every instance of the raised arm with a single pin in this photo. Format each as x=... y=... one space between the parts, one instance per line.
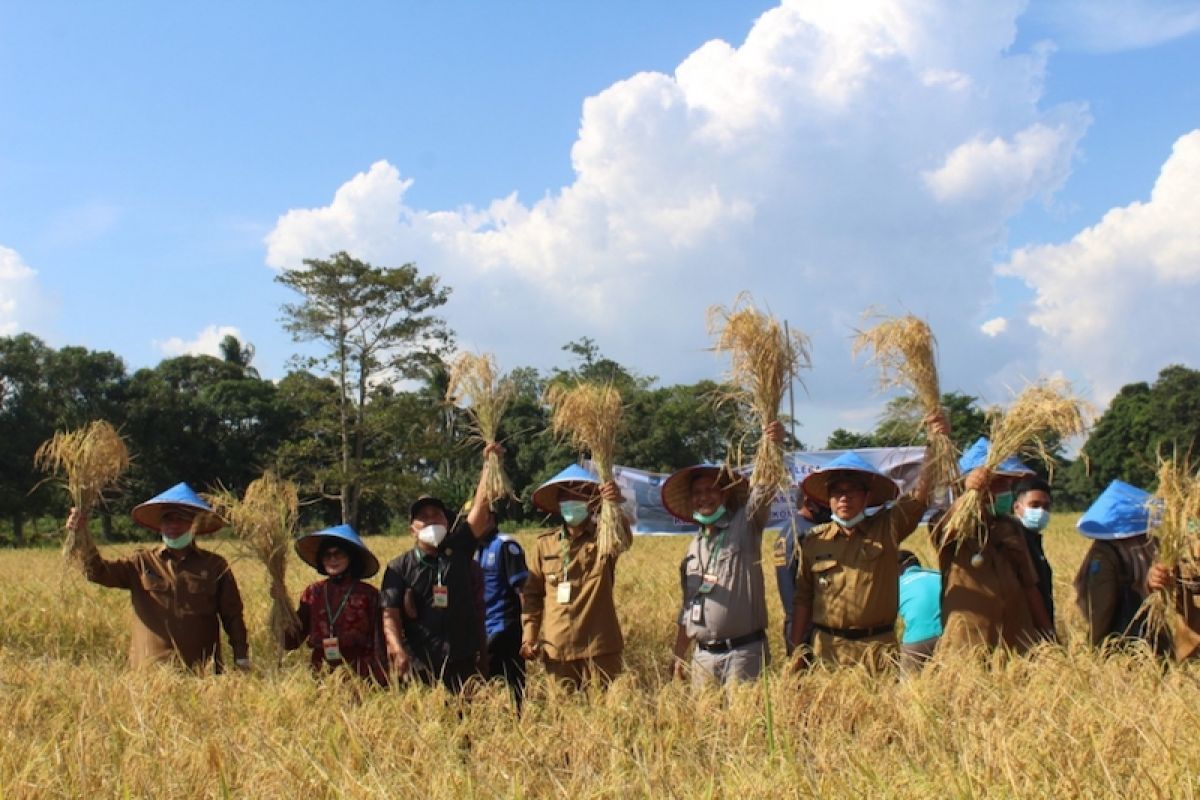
x=935 y=423
x=477 y=517
x=119 y=574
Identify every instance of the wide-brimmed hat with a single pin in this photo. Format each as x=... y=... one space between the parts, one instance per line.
x=976 y=455
x=181 y=498
x=880 y=488
x=1120 y=512
x=308 y=547
x=574 y=478
x=677 y=489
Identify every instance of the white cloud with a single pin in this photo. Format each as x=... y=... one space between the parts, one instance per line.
x=1115 y=303
x=21 y=300
x=206 y=343
x=1112 y=25
x=846 y=154
x=994 y=327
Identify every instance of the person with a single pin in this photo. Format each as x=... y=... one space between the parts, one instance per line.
x=724 y=611
x=1033 y=500
x=340 y=617
x=990 y=594
x=181 y=595
x=1183 y=585
x=1111 y=583
x=810 y=514
x=848 y=575
x=569 y=618
x=920 y=610
x=502 y=561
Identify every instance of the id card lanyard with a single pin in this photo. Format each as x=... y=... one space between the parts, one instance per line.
x=708 y=580
x=330 y=643
x=564 y=585
x=441 y=593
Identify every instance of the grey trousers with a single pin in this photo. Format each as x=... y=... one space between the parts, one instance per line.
x=738 y=665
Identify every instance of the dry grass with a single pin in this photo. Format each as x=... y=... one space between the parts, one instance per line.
x=589 y=415
x=763 y=361
x=1061 y=723
x=475 y=386
x=264 y=523
x=906 y=353
x=90 y=460
x=1044 y=412
x=1175 y=511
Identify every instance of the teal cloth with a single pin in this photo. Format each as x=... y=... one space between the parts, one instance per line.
x=920 y=604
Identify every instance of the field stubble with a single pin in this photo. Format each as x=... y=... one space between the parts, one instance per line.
x=1062 y=722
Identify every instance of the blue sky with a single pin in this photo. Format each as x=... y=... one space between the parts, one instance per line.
x=598 y=169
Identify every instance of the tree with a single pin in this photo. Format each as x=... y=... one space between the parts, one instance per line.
x=375 y=325
x=233 y=352
x=26 y=420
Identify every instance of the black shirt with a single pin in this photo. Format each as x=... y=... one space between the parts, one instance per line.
x=437 y=636
x=1033 y=540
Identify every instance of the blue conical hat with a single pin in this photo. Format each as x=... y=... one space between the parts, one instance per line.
x=882 y=488
x=179 y=497
x=309 y=545
x=1120 y=512
x=573 y=477
x=976 y=455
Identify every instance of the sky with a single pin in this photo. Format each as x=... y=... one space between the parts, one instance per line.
x=1024 y=175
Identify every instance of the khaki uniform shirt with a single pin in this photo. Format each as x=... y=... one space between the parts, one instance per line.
x=1186 y=636
x=585 y=626
x=1107 y=570
x=987 y=604
x=851 y=579
x=180 y=598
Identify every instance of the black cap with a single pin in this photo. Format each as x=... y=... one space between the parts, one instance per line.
x=427 y=500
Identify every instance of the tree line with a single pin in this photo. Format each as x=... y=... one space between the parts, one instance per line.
x=362 y=426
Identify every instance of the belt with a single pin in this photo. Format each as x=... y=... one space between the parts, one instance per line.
x=855 y=633
x=725 y=645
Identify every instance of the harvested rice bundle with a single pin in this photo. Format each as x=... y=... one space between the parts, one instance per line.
x=475 y=386
x=264 y=522
x=92 y=460
x=764 y=360
x=590 y=415
x=906 y=353
x=1174 y=515
x=1046 y=410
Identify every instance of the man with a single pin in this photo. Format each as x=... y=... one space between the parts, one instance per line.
x=990 y=594
x=1032 y=502
x=786 y=552
x=724 y=609
x=1183 y=584
x=847 y=579
x=181 y=595
x=569 y=618
x=432 y=597
x=1110 y=585
x=921 y=611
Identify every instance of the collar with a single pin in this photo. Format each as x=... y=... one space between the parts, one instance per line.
x=168 y=553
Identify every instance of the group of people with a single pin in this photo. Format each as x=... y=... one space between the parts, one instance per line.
x=467 y=600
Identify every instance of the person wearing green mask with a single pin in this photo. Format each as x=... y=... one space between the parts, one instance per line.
x=181 y=595
x=568 y=616
x=990 y=595
x=724 y=610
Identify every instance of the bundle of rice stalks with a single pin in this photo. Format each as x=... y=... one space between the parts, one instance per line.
x=589 y=414
x=264 y=522
x=92 y=460
x=905 y=351
x=1175 y=514
x=1042 y=414
x=476 y=387
x=764 y=360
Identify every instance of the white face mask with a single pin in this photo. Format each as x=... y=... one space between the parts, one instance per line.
x=432 y=535
x=849 y=523
x=179 y=542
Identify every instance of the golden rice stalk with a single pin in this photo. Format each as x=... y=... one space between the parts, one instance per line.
x=92 y=460
x=476 y=387
x=1175 y=513
x=764 y=360
x=906 y=353
x=1045 y=410
x=589 y=415
x=264 y=523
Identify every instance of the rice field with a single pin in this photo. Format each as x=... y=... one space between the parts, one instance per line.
x=1060 y=723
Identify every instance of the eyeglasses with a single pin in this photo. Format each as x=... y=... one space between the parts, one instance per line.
x=846 y=491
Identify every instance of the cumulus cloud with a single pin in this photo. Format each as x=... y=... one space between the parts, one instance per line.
x=206 y=343
x=843 y=155
x=994 y=326
x=1112 y=25
x=21 y=300
x=1114 y=302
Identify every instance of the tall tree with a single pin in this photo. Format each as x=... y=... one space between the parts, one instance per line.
x=234 y=352
x=374 y=324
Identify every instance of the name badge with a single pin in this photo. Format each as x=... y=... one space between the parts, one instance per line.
x=332 y=652
x=780 y=552
x=441 y=596
x=698 y=612
x=709 y=581
x=564 y=592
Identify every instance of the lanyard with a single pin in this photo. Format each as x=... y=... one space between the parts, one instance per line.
x=564 y=549
x=434 y=564
x=713 y=552
x=329 y=614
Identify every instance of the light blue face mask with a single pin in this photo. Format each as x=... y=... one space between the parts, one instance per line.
x=850 y=523
x=574 y=512
x=709 y=519
x=1035 y=518
x=179 y=542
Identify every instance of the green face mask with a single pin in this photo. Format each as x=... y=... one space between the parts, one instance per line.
x=179 y=542
x=1002 y=504
x=709 y=519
